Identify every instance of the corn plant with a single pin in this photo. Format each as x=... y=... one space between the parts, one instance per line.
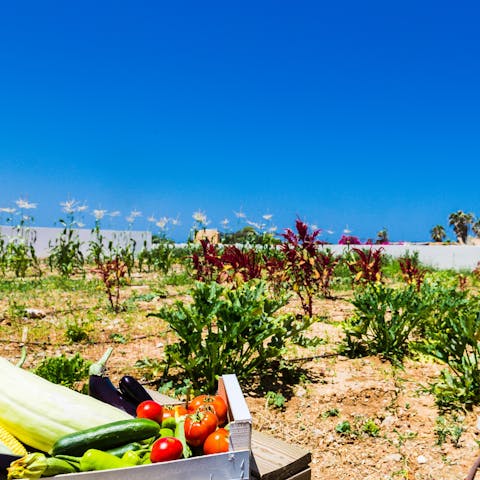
x=383 y=321
x=65 y=253
x=227 y=330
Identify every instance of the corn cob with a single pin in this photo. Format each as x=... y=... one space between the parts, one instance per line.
x=9 y=444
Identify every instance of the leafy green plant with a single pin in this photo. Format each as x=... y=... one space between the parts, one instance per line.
x=452 y=337
x=275 y=400
x=226 y=330
x=63 y=370
x=449 y=427
x=76 y=331
x=383 y=320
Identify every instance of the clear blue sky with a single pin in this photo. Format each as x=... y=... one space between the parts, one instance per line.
x=348 y=114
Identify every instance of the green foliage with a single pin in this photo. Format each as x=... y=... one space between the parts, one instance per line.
x=227 y=330
x=383 y=320
x=76 y=331
x=452 y=337
x=275 y=400
x=63 y=370
x=360 y=427
x=449 y=428
x=65 y=253
x=159 y=258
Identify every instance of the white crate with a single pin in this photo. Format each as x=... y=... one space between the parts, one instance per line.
x=232 y=465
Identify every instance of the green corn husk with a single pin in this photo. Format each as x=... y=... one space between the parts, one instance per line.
x=36 y=465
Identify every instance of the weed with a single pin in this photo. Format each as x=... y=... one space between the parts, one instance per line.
x=275 y=400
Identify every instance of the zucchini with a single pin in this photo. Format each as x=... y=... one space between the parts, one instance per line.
x=106 y=437
x=38 y=412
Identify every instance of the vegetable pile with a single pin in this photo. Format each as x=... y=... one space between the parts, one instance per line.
x=68 y=432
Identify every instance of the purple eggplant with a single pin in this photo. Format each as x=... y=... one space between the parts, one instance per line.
x=101 y=387
x=133 y=390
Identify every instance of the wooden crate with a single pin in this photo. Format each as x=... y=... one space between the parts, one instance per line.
x=232 y=465
x=274 y=459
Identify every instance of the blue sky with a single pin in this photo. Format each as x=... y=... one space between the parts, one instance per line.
x=350 y=115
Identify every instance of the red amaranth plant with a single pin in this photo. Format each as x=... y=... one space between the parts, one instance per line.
x=207 y=264
x=241 y=265
x=412 y=272
x=303 y=261
x=112 y=272
x=366 y=265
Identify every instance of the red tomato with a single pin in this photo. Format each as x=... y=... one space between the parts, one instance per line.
x=198 y=426
x=215 y=403
x=216 y=442
x=165 y=449
x=150 y=409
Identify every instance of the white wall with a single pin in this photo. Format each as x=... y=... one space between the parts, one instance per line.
x=44 y=235
x=455 y=257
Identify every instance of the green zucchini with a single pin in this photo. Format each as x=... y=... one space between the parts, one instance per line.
x=105 y=437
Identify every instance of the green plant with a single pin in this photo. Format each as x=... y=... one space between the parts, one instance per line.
x=65 y=253
x=449 y=428
x=275 y=400
x=76 y=331
x=331 y=412
x=383 y=320
x=63 y=370
x=227 y=330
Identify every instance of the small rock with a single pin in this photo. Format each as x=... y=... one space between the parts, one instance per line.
x=393 y=457
x=34 y=313
x=301 y=392
x=422 y=459
x=159 y=345
x=389 y=421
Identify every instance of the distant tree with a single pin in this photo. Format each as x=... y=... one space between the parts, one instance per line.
x=460 y=221
x=247 y=234
x=476 y=228
x=438 y=233
x=382 y=237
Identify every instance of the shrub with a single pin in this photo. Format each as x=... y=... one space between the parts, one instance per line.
x=227 y=330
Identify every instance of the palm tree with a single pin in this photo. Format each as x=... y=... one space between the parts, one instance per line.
x=438 y=233
x=476 y=228
x=460 y=222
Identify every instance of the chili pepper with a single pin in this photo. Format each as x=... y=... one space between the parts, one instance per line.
x=94 y=459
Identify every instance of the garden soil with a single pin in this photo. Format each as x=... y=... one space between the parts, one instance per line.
x=359 y=418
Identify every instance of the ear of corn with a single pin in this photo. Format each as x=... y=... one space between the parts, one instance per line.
x=9 y=444
x=38 y=412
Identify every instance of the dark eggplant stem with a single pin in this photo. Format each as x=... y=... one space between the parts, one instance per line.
x=101 y=387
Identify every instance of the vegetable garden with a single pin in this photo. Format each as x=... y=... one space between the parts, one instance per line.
x=369 y=362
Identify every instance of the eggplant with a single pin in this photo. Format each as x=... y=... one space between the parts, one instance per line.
x=101 y=387
x=133 y=390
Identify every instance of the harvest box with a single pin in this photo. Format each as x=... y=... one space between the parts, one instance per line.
x=232 y=465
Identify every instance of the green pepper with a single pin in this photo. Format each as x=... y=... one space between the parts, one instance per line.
x=166 y=432
x=94 y=459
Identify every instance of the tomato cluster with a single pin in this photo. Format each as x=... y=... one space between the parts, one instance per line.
x=205 y=418
x=204 y=424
